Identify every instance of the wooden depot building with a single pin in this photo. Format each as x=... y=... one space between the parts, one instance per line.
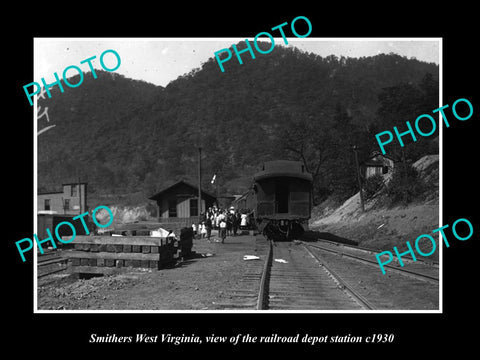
x=178 y=203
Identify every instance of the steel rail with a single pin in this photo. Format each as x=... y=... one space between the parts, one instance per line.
x=405 y=272
x=262 y=300
x=371 y=251
x=362 y=301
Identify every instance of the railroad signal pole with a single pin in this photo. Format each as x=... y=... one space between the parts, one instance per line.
x=358 y=178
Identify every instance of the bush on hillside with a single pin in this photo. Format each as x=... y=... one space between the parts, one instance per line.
x=372 y=185
x=406 y=185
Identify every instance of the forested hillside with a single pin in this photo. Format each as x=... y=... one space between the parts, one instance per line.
x=124 y=135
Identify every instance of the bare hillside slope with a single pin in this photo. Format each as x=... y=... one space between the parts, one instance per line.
x=382 y=227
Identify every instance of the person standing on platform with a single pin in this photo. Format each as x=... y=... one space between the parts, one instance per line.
x=203 y=230
x=208 y=227
x=222 y=226
x=235 y=223
x=229 y=224
x=215 y=226
x=243 y=222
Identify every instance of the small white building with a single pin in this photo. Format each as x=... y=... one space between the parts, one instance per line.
x=72 y=200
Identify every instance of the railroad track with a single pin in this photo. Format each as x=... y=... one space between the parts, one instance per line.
x=368 y=252
x=419 y=269
x=300 y=280
x=305 y=276
x=290 y=278
x=250 y=290
x=414 y=287
x=50 y=262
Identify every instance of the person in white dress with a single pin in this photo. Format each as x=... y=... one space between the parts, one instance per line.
x=203 y=230
x=243 y=221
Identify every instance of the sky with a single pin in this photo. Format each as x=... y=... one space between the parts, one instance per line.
x=159 y=61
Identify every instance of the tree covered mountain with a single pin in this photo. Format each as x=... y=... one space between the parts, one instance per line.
x=123 y=135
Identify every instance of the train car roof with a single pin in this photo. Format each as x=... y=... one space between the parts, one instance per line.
x=287 y=168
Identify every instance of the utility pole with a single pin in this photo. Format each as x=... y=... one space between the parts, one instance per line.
x=79 y=195
x=199 y=186
x=404 y=175
x=358 y=178
x=216 y=193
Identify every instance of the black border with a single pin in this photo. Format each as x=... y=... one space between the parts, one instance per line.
x=413 y=332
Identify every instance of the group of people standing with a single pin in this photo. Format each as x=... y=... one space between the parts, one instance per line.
x=226 y=221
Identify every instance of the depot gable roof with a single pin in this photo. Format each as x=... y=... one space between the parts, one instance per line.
x=178 y=185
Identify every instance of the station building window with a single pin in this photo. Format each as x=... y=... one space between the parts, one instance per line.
x=193 y=207
x=172 y=208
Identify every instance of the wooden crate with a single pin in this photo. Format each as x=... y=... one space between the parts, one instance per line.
x=112 y=254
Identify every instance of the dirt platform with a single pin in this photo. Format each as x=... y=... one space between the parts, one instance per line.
x=193 y=284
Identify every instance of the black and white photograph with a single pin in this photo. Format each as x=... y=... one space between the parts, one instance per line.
x=260 y=187
x=300 y=180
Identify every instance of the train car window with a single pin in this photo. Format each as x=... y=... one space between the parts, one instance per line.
x=299 y=195
x=299 y=190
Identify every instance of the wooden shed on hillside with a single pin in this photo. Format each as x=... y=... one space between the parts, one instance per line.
x=178 y=203
x=378 y=164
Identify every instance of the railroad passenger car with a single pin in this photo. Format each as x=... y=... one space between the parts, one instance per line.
x=282 y=199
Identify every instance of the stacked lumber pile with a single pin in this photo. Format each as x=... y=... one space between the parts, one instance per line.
x=113 y=254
